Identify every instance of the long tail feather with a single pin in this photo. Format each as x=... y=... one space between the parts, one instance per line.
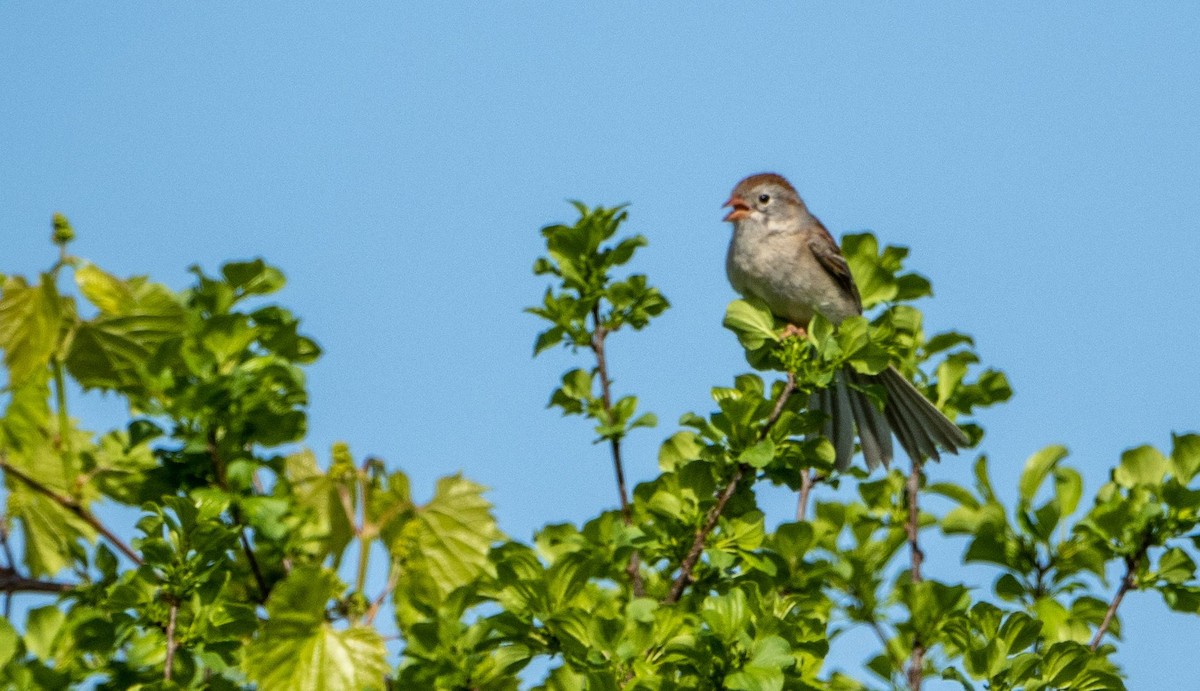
x=874 y=433
x=917 y=423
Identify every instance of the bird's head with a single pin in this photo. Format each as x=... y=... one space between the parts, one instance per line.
x=763 y=197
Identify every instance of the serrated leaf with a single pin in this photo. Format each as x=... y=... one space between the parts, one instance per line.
x=136 y=318
x=30 y=319
x=298 y=648
x=316 y=493
x=450 y=536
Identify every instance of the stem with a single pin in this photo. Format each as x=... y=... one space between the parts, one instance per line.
x=598 y=336
x=393 y=578
x=64 y=420
x=73 y=506
x=10 y=561
x=912 y=526
x=710 y=522
x=1132 y=563
x=714 y=513
x=364 y=560
x=171 y=645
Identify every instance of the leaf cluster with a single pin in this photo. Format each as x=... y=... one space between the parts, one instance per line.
x=258 y=564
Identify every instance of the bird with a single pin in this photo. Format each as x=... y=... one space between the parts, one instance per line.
x=783 y=255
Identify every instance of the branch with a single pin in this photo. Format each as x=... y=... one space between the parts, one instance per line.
x=1132 y=563
x=171 y=644
x=808 y=480
x=912 y=526
x=714 y=513
x=73 y=506
x=598 y=336
x=13 y=582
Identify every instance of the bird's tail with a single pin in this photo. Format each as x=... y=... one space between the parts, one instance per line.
x=919 y=426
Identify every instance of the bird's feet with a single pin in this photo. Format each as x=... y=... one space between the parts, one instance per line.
x=793 y=330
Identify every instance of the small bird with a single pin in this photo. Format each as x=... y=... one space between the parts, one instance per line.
x=783 y=255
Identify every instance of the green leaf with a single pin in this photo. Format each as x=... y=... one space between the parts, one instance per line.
x=1063 y=662
x=450 y=536
x=1068 y=489
x=752 y=321
x=1036 y=468
x=42 y=627
x=1009 y=588
x=298 y=648
x=9 y=638
x=30 y=320
x=678 y=449
x=317 y=496
x=1185 y=457
x=253 y=277
x=136 y=317
x=49 y=532
x=764 y=670
x=1176 y=567
x=727 y=615
x=759 y=455
x=1144 y=465
x=875 y=282
x=107 y=292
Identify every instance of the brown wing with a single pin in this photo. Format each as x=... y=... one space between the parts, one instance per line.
x=829 y=255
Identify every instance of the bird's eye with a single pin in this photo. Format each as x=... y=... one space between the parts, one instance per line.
x=764 y=198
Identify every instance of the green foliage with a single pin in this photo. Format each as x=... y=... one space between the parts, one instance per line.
x=251 y=565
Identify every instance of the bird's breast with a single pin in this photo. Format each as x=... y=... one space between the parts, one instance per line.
x=779 y=268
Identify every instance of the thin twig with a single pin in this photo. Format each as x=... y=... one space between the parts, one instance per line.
x=263 y=589
x=64 y=420
x=171 y=645
x=10 y=561
x=807 y=480
x=1132 y=564
x=73 y=506
x=393 y=578
x=598 y=336
x=714 y=514
x=912 y=526
x=218 y=464
x=897 y=663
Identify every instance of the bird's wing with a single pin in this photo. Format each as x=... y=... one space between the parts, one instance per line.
x=830 y=257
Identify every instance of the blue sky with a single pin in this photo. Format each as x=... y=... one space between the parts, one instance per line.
x=397 y=159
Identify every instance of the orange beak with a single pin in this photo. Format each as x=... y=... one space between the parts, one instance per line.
x=740 y=209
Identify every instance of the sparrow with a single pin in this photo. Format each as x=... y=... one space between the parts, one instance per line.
x=781 y=254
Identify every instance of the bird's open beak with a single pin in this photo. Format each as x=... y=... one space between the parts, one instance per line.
x=740 y=209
